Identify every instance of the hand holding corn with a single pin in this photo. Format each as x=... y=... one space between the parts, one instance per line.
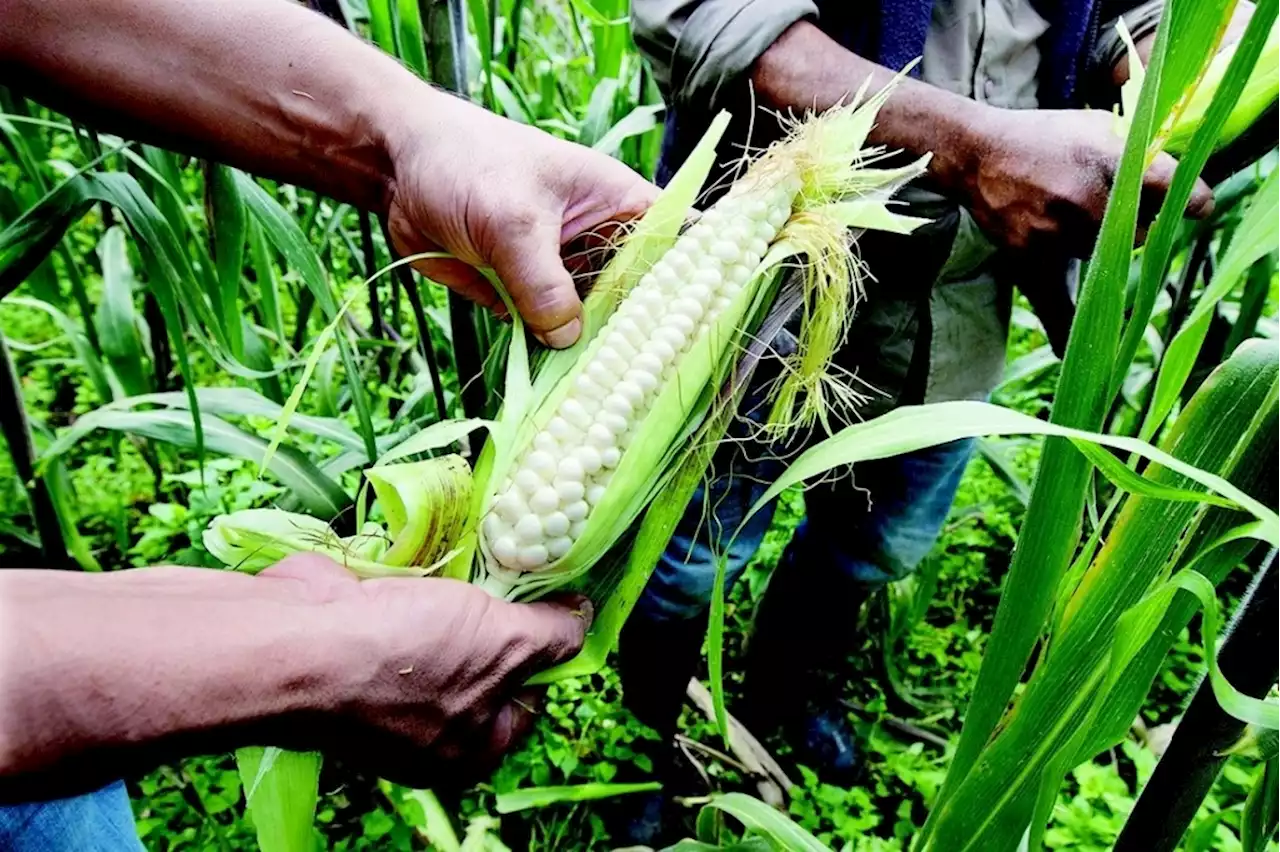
x=104 y=675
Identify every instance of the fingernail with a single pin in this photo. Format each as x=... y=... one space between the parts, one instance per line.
x=582 y=607
x=564 y=336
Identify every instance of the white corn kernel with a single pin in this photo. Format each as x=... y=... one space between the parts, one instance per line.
x=577 y=511
x=589 y=458
x=615 y=423
x=541 y=463
x=574 y=412
x=647 y=362
x=661 y=350
x=646 y=380
x=555 y=524
x=528 y=481
x=505 y=550
x=570 y=470
x=560 y=429
x=529 y=529
x=544 y=500
x=510 y=507
x=629 y=391
x=600 y=437
x=688 y=307
x=533 y=556
x=558 y=547
x=616 y=403
x=588 y=388
x=569 y=492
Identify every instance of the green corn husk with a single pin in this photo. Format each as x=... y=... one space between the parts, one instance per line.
x=1260 y=92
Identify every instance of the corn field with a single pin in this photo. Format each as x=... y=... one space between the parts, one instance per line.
x=203 y=367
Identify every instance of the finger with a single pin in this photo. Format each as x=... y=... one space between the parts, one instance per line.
x=557 y=629
x=462 y=278
x=1200 y=205
x=528 y=263
x=511 y=724
x=1155 y=187
x=324 y=578
x=610 y=192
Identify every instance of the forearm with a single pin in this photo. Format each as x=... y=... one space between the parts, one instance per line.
x=806 y=69
x=104 y=675
x=262 y=84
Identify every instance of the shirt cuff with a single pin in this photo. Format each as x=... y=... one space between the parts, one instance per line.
x=1141 y=21
x=722 y=40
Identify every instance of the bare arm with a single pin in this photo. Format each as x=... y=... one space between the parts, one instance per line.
x=110 y=674
x=278 y=90
x=1032 y=178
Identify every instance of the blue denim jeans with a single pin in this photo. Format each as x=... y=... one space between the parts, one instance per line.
x=866 y=532
x=101 y=821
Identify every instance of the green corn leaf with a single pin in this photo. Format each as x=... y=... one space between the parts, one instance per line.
x=1062 y=705
x=1051 y=529
x=382 y=25
x=117 y=318
x=1258 y=822
x=1160 y=239
x=411 y=41
x=79 y=343
x=228 y=402
x=638 y=122
x=229 y=224
x=541 y=797
x=317 y=493
x=765 y=821
x=281 y=793
x=283 y=232
x=1257 y=235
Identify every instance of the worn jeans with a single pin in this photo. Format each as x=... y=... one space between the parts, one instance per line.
x=866 y=532
x=101 y=821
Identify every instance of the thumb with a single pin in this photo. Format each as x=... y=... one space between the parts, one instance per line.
x=1156 y=184
x=1200 y=205
x=529 y=265
x=556 y=629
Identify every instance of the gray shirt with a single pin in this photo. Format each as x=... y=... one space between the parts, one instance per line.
x=986 y=50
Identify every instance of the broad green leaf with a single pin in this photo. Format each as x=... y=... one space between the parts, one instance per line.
x=281 y=798
x=117 y=318
x=1258 y=823
x=317 y=493
x=229 y=225
x=1051 y=529
x=1062 y=703
x=283 y=232
x=1256 y=236
x=765 y=821
x=75 y=335
x=382 y=25
x=1160 y=240
x=541 y=797
x=411 y=41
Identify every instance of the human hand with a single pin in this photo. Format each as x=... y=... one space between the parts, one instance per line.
x=430 y=672
x=496 y=193
x=1039 y=179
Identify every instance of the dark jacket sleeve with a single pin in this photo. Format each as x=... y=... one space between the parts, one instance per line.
x=1141 y=19
x=698 y=48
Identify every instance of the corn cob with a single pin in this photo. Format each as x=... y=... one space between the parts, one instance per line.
x=546 y=505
